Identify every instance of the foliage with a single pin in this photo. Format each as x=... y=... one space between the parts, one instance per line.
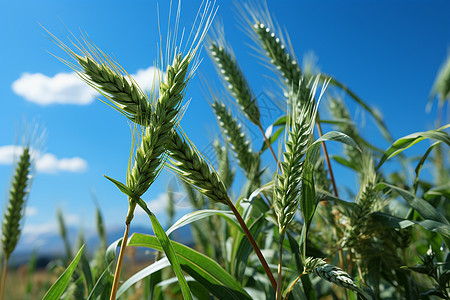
x=287 y=234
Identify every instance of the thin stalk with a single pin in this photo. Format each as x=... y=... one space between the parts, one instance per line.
x=327 y=158
x=122 y=250
x=2 y=286
x=292 y=285
x=119 y=263
x=333 y=181
x=254 y=245
x=280 y=266
x=268 y=143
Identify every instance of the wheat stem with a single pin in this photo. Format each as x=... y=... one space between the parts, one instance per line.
x=3 y=280
x=293 y=284
x=269 y=145
x=327 y=158
x=255 y=246
x=119 y=262
x=280 y=266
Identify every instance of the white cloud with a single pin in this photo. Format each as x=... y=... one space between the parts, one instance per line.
x=63 y=88
x=8 y=153
x=158 y=205
x=49 y=163
x=145 y=78
x=31 y=211
x=45 y=163
x=68 y=88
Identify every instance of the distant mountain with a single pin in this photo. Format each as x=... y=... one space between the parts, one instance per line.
x=50 y=245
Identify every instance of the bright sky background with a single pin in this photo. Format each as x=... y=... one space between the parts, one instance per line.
x=388 y=52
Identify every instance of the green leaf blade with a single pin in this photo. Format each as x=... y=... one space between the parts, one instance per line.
x=206 y=271
x=58 y=288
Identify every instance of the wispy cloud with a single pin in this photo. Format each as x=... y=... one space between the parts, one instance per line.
x=31 y=211
x=68 y=88
x=45 y=163
x=159 y=204
x=33 y=234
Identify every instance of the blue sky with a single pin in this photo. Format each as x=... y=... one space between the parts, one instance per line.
x=388 y=52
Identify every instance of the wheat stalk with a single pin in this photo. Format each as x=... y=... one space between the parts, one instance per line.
x=288 y=182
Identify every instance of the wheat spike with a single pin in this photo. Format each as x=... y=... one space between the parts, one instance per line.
x=16 y=205
x=120 y=90
x=367 y=201
x=283 y=61
x=247 y=159
x=193 y=168
x=331 y=273
x=149 y=155
x=229 y=70
x=300 y=136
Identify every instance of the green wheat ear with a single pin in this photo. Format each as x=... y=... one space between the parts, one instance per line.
x=332 y=274
x=17 y=200
x=300 y=136
x=192 y=167
x=248 y=160
x=228 y=68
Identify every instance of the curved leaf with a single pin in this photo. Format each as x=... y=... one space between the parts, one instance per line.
x=420 y=165
x=111 y=251
x=272 y=138
x=122 y=187
x=102 y=284
x=167 y=246
x=202 y=268
x=425 y=209
x=396 y=222
x=154 y=267
x=57 y=289
x=308 y=197
x=200 y=214
x=337 y=136
x=438 y=191
x=407 y=141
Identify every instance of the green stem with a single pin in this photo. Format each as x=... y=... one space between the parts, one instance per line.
x=2 y=286
x=280 y=266
x=254 y=245
x=327 y=158
x=292 y=285
x=128 y=219
x=267 y=142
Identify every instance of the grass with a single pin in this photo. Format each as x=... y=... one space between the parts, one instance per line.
x=287 y=234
